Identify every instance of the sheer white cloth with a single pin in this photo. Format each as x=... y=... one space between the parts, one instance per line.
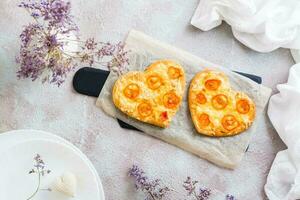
x=283 y=182
x=262 y=25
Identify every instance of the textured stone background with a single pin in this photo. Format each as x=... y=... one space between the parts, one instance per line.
x=26 y=104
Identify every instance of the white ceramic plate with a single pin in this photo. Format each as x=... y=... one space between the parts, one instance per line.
x=59 y=156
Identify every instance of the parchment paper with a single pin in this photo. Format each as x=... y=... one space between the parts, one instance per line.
x=226 y=151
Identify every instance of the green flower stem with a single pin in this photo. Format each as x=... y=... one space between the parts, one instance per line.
x=38 y=187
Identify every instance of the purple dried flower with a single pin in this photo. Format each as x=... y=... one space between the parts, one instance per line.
x=90 y=44
x=31 y=65
x=39 y=165
x=204 y=193
x=59 y=11
x=55 y=12
x=120 y=59
x=39 y=169
x=35 y=15
x=40 y=49
x=51 y=42
x=106 y=50
x=43 y=52
x=230 y=197
x=28 y=32
x=153 y=189
x=190 y=186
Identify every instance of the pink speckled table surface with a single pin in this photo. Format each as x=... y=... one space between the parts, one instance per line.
x=31 y=105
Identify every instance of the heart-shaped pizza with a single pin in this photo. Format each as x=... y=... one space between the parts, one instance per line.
x=216 y=109
x=152 y=96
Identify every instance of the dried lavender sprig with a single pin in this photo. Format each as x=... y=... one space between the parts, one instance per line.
x=191 y=187
x=40 y=170
x=42 y=51
x=152 y=188
x=56 y=13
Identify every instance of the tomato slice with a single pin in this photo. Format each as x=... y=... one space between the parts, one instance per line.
x=203 y=120
x=174 y=72
x=229 y=122
x=132 y=91
x=212 y=84
x=171 y=100
x=145 y=109
x=154 y=82
x=200 y=98
x=243 y=106
x=219 y=101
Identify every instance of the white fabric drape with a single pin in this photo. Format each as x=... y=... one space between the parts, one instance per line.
x=262 y=25
x=283 y=182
